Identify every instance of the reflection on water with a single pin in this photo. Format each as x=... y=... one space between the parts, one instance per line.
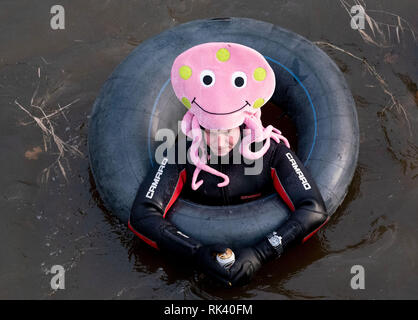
x=64 y=222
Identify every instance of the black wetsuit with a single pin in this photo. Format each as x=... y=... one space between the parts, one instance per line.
x=281 y=170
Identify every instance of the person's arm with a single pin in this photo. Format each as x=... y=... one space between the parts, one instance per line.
x=297 y=188
x=157 y=193
x=300 y=193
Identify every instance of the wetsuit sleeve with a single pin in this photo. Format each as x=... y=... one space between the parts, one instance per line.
x=299 y=191
x=156 y=194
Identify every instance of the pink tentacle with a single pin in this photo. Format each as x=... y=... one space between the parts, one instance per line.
x=258 y=134
x=200 y=162
x=186 y=123
x=253 y=122
x=191 y=128
x=245 y=148
x=277 y=136
x=194 y=152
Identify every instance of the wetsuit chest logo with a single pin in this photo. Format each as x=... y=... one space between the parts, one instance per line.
x=156 y=180
x=299 y=172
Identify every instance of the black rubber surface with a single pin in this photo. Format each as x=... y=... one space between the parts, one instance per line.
x=137 y=100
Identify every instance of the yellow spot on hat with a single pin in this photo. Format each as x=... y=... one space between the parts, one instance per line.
x=185 y=72
x=258 y=103
x=186 y=102
x=260 y=74
x=223 y=55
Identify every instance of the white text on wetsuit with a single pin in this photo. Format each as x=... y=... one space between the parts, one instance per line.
x=299 y=172
x=154 y=183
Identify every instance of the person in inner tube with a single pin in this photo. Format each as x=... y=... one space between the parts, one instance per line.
x=223 y=86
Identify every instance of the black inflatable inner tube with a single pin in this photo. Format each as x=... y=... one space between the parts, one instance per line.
x=137 y=100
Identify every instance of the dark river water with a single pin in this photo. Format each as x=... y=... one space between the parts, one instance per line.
x=47 y=219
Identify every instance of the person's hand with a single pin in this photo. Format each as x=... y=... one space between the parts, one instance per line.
x=247 y=263
x=205 y=259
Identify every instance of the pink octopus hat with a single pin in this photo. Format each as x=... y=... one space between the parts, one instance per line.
x=223 y=85
x=220 y=82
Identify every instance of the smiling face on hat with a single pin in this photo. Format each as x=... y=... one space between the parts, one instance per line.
x=221 y=83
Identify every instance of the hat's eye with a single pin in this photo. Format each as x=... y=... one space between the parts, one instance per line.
x=207 y=78
x=239 y=79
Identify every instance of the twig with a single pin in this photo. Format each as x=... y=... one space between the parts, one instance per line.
x=383 y=42
x=53 y=113
x=382 y=83
x=48 y=132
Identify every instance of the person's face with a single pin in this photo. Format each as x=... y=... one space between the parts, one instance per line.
x=222 y=141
